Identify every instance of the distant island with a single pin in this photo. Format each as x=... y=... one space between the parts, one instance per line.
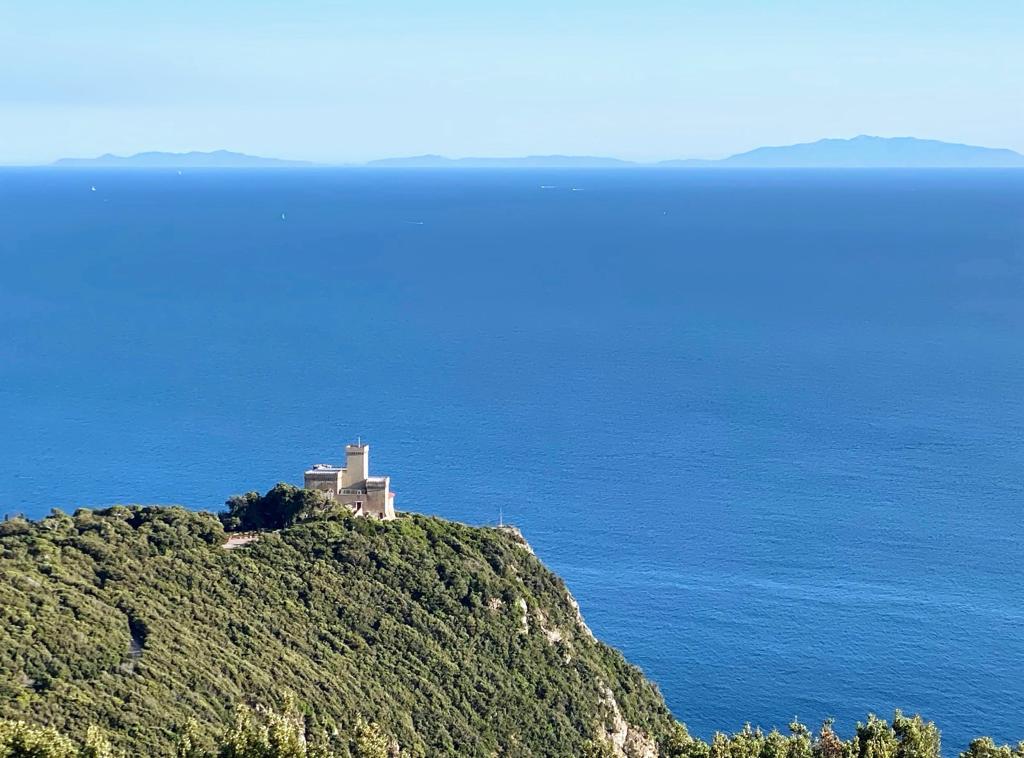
x=859 y=152
x=865 y=152
x=215 y=159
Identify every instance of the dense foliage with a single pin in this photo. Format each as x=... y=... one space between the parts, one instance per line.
x=905 y=737
x=454 y=640
x=256 y=733
x=260 y=733
x=136 y=631
x=283 y=506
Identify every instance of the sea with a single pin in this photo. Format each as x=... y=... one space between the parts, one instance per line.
x=767 y=424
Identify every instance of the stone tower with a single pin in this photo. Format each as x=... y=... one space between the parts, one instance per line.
x=357 y=465
x=352 y=485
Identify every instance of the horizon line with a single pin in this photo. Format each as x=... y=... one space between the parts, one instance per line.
x=584 y=160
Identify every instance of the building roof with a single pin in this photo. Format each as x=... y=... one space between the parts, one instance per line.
x=324 y=468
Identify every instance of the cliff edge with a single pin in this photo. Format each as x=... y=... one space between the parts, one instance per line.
x=454 y=640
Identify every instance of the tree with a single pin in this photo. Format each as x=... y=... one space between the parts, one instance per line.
x=917 y=738
x=598 y=748
x=828 y=744
x=97 y=745
x=189 y=743
x=679 y=744
x=875 y=739
x=984 y=747
x=282 y=506
x=370 y=741
x=264 y=734
x=21 y=740
x=799 y=740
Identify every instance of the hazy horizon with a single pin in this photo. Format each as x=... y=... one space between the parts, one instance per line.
x=384 y=158
x=313 y=81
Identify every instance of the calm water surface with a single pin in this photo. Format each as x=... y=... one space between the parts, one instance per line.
x=768 y=425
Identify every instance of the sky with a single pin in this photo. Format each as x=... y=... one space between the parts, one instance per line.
x=641 y=79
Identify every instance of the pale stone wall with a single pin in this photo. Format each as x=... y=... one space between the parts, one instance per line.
x=353 y=486
x=357 y=464
x=379 y=498
x=325 y=481
x=370 y=498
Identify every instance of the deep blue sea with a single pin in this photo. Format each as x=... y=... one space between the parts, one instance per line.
x=768 y=425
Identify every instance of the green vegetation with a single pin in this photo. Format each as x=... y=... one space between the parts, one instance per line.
x=454 y=640
x=906 y=737
x=260 y=733
x=135 y=631
x=282 y=506
x=256 y=733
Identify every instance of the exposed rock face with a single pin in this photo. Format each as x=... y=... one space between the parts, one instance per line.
x=579 y=616
x=626 y=740
x=553 y=633
x=521 y=540
x=517 y=535
x=524 y=619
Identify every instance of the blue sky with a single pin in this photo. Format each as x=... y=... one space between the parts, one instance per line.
x=349 y=81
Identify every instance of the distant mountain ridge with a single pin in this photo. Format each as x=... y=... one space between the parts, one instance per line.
x=859 y=152
x=863 y=151
x=194 y=159
x=866 y=152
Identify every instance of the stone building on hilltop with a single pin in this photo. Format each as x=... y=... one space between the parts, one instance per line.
x=353 y=486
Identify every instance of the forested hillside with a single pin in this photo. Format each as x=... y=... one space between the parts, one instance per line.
x=145 y=632
x=452 y=640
